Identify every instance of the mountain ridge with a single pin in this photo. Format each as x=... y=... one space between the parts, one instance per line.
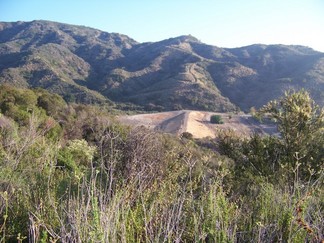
x=88 y=65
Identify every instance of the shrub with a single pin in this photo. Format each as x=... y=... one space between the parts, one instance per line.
x=187 y=135
x=216 y=119
x=76 y=153
x=102 y=182
x=300 y=123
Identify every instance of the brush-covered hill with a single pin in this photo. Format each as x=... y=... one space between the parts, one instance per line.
x=90 y=66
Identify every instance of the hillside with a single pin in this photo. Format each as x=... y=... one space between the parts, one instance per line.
x=91 y=66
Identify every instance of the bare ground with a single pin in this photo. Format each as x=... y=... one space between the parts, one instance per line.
x=198 y=123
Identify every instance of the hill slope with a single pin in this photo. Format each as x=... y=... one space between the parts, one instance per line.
x=89 y=65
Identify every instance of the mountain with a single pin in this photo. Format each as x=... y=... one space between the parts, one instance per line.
x=88 y=65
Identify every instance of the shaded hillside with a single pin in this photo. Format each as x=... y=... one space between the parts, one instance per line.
x=89 y=65
x=59 y=57
x=263 y=72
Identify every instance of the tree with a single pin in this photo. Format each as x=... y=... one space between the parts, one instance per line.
x=301 y=125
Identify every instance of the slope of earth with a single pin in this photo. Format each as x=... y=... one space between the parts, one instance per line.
x=59 y=57
x=198 y=123
x=166 y=75
x=88 y=65
x=263 y=72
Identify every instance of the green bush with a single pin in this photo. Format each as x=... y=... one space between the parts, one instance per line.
x=216 y=119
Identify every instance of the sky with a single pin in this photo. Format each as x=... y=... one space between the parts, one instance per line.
x=223 y=23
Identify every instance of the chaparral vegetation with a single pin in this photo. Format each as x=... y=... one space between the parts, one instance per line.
x=72 y=173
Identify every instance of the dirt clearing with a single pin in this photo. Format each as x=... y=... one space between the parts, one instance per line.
x=198 y=123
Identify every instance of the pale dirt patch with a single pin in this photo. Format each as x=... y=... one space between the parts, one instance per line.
x=198 y=123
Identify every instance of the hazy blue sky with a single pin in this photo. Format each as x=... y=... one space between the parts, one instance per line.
x=224 y=23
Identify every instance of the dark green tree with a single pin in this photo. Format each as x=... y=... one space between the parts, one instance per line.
x=216 y=119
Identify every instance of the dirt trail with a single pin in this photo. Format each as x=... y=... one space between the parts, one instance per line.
x=191 y=69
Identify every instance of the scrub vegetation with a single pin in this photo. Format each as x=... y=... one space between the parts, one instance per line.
x=71 y=173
